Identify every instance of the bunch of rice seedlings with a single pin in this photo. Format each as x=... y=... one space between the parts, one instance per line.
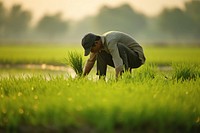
x=75 y=60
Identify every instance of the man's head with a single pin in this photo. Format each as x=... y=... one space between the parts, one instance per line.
x=89 y=41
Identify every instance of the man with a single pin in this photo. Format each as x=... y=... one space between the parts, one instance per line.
x=114 y=48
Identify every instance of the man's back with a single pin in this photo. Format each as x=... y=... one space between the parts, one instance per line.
x=119 y=37
x=116 y=37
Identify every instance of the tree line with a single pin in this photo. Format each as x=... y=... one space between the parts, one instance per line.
x=171 y=25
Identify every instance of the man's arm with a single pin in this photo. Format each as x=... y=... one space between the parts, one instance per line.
x=116 y=58
x=89 y=64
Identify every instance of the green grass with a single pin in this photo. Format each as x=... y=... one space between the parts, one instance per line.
x=35 y=54
x=144 y=101
x=169 y=55
x=151 y=99
x=185 y=71
x=55 y=54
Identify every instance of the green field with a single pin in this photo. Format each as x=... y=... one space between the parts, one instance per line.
x=161 y=96
x=55 y=54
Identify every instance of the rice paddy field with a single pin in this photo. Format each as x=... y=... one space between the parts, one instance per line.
x=39 y=92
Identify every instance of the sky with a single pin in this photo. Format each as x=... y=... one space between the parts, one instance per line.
x=78 y=9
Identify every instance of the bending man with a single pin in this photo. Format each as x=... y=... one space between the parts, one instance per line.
x=114 y=48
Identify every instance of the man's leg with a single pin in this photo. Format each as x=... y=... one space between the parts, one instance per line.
x=103 y=59
x=130 y=58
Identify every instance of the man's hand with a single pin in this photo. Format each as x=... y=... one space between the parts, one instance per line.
x=119 y=73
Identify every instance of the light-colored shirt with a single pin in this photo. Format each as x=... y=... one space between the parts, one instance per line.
x=110 y=41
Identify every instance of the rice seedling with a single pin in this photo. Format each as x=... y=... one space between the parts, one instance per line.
x=78 y=104
x=143 y=101
x=185 y=72
x=75 y=60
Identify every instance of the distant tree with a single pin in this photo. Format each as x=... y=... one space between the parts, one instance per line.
x=52 y=26
x=192 y=9
x=2 y=19
x=182 y=23
x=123 y=18
x=175 y=22
x=18 y=21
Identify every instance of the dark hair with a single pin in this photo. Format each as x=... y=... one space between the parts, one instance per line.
x=97 y=38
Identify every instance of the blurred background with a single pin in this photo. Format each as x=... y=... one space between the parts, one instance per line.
x=66 y=21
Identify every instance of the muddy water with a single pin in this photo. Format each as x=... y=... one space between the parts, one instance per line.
x=29 y=70
x=33 y=69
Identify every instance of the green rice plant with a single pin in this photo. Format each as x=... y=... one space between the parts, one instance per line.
x=53 y=54
x=148 y=71
x=145 y=73
x=185 y=72
x=72 y=105
x=75 y=60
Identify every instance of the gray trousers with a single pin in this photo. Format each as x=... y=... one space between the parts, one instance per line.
x=130 y=59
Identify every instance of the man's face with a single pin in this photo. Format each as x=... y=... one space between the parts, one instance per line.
x=97 y=46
